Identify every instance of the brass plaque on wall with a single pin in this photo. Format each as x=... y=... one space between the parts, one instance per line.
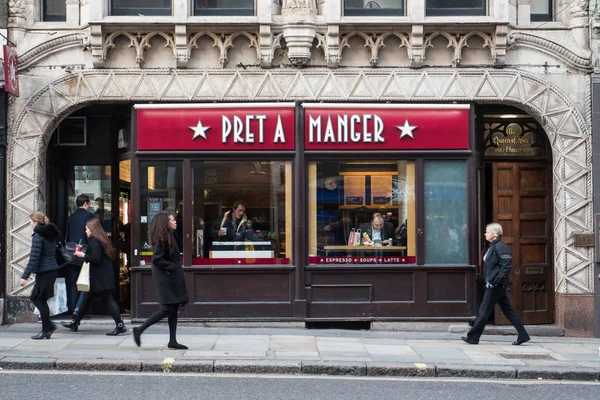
x=512 y=139
x=584 y=239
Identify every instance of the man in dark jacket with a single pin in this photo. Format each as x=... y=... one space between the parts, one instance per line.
x=76 y=234
x=234 y=225
x=378 y=229
x=497 y=262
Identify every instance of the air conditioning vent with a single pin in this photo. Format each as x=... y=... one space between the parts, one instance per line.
x=72 y=131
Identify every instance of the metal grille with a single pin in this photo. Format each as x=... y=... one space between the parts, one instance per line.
x=519 y=356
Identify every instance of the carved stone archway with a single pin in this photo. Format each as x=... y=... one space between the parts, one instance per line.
x=568 y=130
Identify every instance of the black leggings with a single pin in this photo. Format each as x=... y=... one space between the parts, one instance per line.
x=107 y=299
x=166 y=310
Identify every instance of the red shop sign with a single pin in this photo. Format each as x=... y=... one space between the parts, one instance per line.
x=386 y=126
x=227 y=127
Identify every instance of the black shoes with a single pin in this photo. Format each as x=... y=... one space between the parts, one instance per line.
x=42 y=335
x=120 y=328
x=136 y=336
x=176 y=346
x=519 y=342
x=467 y=340
x=72 y=326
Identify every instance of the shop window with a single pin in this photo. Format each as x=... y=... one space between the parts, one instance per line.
x=54 y=10
x=364 y=8
x=223 y=7
x=95 y=182
x=361 y=212
x=455 y=7
x=161 y=189
x=541 y=10
x=445 y=203
x=242 y=212
x=140 y=7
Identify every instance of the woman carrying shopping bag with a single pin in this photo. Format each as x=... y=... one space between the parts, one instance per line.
x=100 y=254
x=168 y=277
x=42 y=263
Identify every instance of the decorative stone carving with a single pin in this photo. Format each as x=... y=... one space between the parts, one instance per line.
x=224 y=41
x=139 y=42
x=299 y=29
x=579 y=8
x=458 y=42
x=52 y=46
x=523 y=39
x=16 y=9
x=374 y=42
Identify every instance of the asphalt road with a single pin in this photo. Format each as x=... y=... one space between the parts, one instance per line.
x=104 y=386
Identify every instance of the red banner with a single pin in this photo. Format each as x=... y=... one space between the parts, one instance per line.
x=362 y=260
x=386 y=126
x=11 y=71
x=226 y=127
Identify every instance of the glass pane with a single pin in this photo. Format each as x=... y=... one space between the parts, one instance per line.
x=95 y=182
x=373 y=7
x=55 y=10
x=224 y=7
x=161 y=189
x=242 y=212
x=144 y=7
x=540 y=6
x=455 y=7
x=445 y=212
x=361 y=212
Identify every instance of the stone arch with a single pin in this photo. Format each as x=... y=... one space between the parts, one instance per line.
x=569 y=132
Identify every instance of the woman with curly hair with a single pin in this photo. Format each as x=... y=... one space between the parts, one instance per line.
x=100 y=254
x=168 y=277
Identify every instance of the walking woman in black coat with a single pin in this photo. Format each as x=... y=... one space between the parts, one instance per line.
x=42 y=263
x=100 y=254
x=168 y=277
x=497 y=262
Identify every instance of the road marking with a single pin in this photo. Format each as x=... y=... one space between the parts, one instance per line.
x=320 y=377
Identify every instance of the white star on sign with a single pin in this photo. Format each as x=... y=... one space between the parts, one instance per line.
x=406 y=129
x=199 y=130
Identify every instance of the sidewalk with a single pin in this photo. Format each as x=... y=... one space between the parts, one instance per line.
x=275 y=349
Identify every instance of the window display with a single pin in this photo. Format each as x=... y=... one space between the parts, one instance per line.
x=241 y=212
x=361 y=212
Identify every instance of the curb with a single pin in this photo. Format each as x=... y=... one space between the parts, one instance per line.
x=305 y=368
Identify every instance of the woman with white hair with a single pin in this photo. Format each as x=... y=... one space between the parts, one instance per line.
x=496 y=272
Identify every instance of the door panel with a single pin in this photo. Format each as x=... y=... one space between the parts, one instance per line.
x=522 y=205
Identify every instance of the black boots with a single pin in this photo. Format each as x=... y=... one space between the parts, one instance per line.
x=176 y=346
x=72 y=326
x=120 y=328
x=136 y=336
x=45 y=335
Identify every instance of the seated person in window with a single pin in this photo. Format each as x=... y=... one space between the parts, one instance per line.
x=401 y=233
x=234 y=226
x=378 y=230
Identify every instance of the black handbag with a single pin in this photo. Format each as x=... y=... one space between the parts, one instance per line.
x=63 y=256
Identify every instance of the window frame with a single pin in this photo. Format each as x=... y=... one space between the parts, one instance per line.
x=47 y=18
x=457 y=12
x=131 y=11
x=544 y=17
x=374 y=12
x=238 y=12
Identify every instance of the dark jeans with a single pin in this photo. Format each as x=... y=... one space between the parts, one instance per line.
x=492 y=297
x=166 y=310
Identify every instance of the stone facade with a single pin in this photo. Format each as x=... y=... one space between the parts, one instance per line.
x=307 y=50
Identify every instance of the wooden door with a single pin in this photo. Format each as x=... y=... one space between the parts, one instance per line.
x=522 y=194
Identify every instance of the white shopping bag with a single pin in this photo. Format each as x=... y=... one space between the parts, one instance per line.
x=58 y=303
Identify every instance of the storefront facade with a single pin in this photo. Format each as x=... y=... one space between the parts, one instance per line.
x=305 y=182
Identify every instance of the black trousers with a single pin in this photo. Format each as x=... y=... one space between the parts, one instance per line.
x=43 y=289
x=107 y=299
x=170 y=311
x=492 y=297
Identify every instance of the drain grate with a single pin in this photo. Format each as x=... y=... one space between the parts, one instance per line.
x=524 y=356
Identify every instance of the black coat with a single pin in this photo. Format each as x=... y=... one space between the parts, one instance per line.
x=167 y=274
x=76 y=226
x=497 y=264
x=242 y=233
x=42 y=257
x=102 y=276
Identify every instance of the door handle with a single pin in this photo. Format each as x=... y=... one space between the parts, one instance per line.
x=420 y=231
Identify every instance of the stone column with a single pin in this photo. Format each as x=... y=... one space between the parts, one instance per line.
x=299 y=29
x=73 y=12
x=524 y=12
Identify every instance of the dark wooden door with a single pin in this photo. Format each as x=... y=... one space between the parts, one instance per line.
x=522 y=194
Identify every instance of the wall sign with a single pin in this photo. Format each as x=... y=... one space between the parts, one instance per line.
x=386 y=126
x=11 y=71
x=226 y=127
x=512 y=139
